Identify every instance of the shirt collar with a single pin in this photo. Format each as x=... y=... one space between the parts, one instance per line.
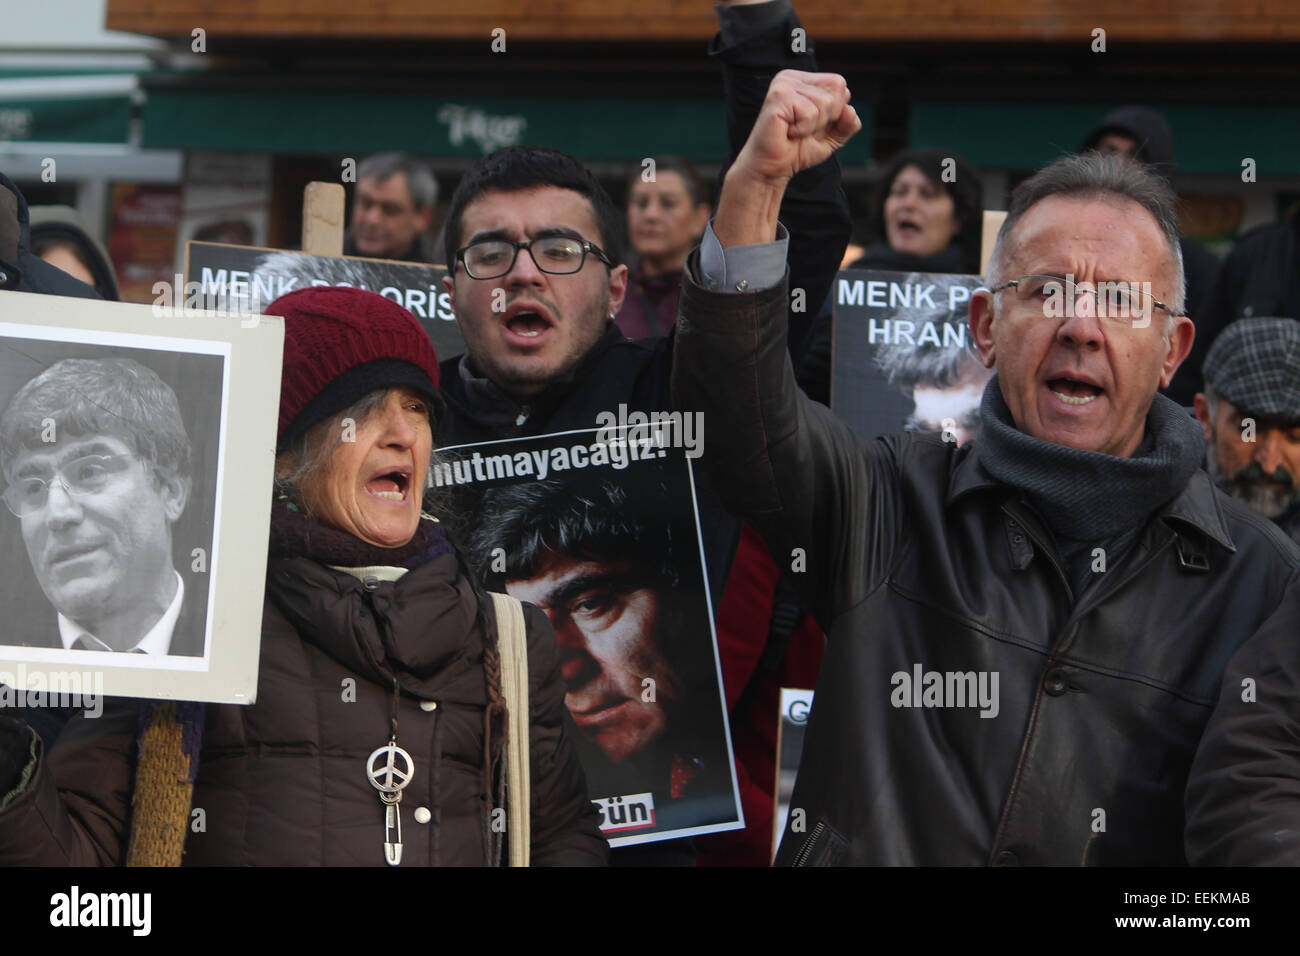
x=157 y=641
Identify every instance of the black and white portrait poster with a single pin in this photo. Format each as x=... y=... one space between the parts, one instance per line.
x=792 y=721
x=137 y=450
x=248 y=278
x=599 y=530
x=903 y=358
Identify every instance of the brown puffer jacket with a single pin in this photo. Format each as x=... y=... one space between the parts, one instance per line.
x=283 y=782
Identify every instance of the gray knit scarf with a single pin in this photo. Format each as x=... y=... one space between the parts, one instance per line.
x=1088 y=499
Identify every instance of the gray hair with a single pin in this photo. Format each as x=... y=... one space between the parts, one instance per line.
x=110 y=396
x=1093 y=176
x=908 y=366
x=280 y=272
x=308 y=458
x=419 y=180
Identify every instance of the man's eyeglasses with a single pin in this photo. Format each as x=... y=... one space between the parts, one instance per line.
x=1123 y=303
x=81 y=476
x=557 y=255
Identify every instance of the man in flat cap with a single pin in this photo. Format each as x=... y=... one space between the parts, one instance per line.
x=1250 y=411
x=1243 y=791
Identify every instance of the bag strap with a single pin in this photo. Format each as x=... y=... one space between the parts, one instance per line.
x=512 y=644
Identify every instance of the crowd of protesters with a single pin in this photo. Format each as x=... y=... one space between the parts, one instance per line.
x=1116 y=546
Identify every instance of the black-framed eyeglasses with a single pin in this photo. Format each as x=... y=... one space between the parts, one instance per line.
x=87 y=475
x=556 y=255
x=1123 y=303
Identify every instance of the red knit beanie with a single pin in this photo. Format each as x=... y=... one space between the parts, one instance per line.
x=340 y=344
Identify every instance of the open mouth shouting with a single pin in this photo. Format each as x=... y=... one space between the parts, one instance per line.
x=390 y=484
x=527 y=323
x=908 y=227
x=1074 y=391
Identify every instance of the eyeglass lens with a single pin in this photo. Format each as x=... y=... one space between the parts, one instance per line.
x=1113 y=299
x=558 y=255
x=82 y=476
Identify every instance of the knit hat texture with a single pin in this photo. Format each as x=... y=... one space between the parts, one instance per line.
x=341 y=343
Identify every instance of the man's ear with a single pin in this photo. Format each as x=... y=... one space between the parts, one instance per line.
x=617 y=287
x=424 y=217
x=980 y=316
x=450 y=286
x=1180 y=343
x=175 y=492
x=1201 y=405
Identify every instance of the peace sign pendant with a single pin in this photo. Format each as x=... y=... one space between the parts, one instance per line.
x=390 y=769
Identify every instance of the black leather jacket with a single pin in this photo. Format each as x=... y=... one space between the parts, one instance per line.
x=917 y=558
x=1243 y=798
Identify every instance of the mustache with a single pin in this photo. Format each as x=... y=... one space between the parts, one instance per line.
x=1253 y=474
x=528 y=294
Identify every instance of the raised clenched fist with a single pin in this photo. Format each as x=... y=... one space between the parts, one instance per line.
x=804 y=119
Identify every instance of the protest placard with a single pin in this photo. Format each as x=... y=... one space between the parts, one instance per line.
x=792 y=719
x=599 y=529
x=137 y=455
x=903 y=356
x=248 y=278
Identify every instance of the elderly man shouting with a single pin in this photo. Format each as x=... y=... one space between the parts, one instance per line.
x=1027 y=634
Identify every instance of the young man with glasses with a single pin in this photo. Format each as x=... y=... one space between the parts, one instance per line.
x=1074 y=558
x=530 y=314
x=543 y=354
x=96 y=466
x=534 y=248
x=536 y=274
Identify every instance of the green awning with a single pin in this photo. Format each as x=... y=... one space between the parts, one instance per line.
x=93 y=109
x=1208 y=140
x=595 y=129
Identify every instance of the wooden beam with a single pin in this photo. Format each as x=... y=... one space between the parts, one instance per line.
x=322 y=219
x=993 y=219
x=633 y=21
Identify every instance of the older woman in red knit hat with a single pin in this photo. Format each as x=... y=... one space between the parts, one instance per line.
x=379 y=732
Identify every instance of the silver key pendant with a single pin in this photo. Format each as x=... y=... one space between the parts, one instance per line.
x=390 y=769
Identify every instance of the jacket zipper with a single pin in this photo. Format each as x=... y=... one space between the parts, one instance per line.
x=801 y=858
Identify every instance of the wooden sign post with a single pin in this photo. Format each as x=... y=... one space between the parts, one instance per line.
x=993 y=219
x=322 y=219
